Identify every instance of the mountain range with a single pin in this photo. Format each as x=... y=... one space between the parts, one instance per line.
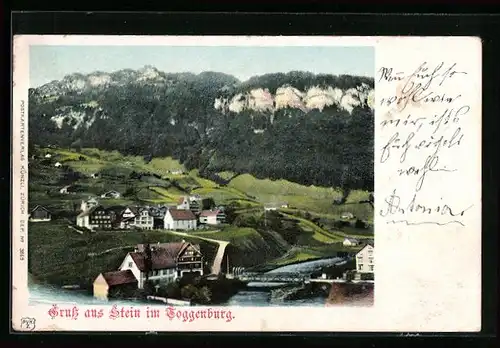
x=304 y=127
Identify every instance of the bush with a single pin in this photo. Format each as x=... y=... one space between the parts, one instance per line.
x=340 y=224
x=360 y=224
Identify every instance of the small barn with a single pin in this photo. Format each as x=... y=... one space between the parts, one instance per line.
x=350 y=242
x=347 y=216
x=39 y=214
x=109 y=284
x=111 y=194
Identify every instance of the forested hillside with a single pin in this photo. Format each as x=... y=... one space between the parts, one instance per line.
x=306 y=128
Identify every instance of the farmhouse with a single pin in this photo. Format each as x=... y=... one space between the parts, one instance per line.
x=64 y=190
x=39 y=214
x=212 y=217
x=69 y=189
x=178 y=219
x=57 y=164
x=169 y=261
x=349 y=242
x=111 y=194
x=110 y=283
x=48 y=155
x=183 y=203
x=365 y=259
x=95 y=218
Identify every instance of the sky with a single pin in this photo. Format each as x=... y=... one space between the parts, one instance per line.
x=48 y=63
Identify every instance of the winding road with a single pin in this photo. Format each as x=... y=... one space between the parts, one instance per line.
x=219 y=256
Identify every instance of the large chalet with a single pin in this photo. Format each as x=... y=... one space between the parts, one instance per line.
x=169 y=261
x=94 y=218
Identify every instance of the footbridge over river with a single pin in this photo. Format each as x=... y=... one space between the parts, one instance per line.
x=292 y=278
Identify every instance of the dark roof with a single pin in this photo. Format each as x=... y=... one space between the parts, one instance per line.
x=180 y=214
x=161 y=259
x=134 y=209
x=40 y=207
x=119 y=277
x=173 y=249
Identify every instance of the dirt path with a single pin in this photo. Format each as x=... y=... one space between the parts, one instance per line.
x=110 y=250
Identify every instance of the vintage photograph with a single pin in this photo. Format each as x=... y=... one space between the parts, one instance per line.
x=201 y=175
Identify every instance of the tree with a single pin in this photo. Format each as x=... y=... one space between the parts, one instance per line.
x=189 y=292
x=360 y=224
x=148 y=267
x=208 y=203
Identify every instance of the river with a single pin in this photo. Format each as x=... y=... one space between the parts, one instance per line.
x=255 y=294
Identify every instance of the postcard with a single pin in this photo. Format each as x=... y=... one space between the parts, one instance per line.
x=225 y=183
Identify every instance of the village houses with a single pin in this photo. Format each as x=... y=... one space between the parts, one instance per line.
x=168 y=262
x=183 y=216
x=39 y=214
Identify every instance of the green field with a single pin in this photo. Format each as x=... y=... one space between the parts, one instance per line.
x=60 y=255
x=310 y=198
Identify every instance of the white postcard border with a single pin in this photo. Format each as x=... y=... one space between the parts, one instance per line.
x=403 y=283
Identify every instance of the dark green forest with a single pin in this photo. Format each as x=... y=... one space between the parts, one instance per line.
x=176 y=117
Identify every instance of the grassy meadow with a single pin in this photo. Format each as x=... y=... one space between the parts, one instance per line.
x=307 y=229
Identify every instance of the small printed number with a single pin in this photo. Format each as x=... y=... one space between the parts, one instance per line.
x=28 y=324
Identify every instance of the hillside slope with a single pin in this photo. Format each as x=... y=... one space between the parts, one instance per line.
x=306 y=128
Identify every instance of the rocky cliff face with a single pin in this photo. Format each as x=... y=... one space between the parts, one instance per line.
x=315 y=97
x=213 y=122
